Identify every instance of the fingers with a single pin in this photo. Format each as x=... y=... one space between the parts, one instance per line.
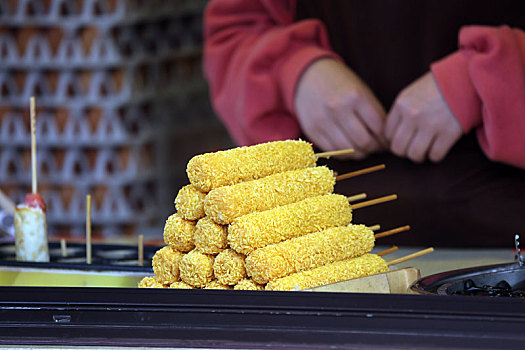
x=400 y=129
x=392 y=122
x=336 y=110
x=418 y=143
x=372 y=114
x=418 y=149
x=411 y=135
x=445 y=140
x=347 y=114
x=409 y=139
x=330 y=137
x=402 y=139
x=337 y=142
x=420 y=124
x=356 y=130
x=324 y=136
x=440 y=148
x=338 y=139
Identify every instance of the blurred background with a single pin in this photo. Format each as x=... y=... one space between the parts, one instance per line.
x=122 y=105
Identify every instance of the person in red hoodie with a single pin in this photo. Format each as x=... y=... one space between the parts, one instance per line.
x=325 y=71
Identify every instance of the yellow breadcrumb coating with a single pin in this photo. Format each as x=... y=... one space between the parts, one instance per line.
x=178 y=233
x=365 y=265
x=259 y=229
x=210 y=237
x=217 y=285
x=166 y=265
x=196 y=269
x=248 y=284
x=308 y=252
x=190 y=203
x=228 y=267
x=180 y=285
x=150 y=282
x=225 y=204
x=211 y=170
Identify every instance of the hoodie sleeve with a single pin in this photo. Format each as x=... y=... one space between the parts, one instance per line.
x=254 y=55
x=484 y=86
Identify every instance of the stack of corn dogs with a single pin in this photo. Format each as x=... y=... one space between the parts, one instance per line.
x=261 y=217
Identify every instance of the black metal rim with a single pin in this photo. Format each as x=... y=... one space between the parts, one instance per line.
x=258 y=319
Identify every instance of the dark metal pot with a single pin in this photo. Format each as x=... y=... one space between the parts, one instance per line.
x=491 y=280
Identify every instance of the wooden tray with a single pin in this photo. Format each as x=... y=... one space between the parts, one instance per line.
x=394 y=281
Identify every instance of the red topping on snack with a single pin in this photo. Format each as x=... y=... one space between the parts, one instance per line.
x=34 y=200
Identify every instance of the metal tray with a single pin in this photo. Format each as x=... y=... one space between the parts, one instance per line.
x=105 y=257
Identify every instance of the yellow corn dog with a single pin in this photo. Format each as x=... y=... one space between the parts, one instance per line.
x=225 y=204
x=364 y=265
x=223 y=168
x=228 y=267
x=308 y=252
x=217 y=285
x=179 y=232
x=190 y=203
x=165 y=264
x=210 y=237
x=248 y=284
x=150 y=282
x=180 y=285
x=196 y=269
x=259 y=229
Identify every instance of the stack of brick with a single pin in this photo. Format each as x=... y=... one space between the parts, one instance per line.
x=117 y=84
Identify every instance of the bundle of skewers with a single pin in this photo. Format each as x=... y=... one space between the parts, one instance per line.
x=265 y=217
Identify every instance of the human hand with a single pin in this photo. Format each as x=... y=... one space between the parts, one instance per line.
x=336 y=110
x=420 y=124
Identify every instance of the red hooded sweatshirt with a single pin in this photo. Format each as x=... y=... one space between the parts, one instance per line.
x=255 y=53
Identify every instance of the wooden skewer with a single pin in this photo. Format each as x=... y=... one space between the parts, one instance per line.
x=141 y=250
x=411 y=256
x=374 y=201
x=88 y=229
x=360 y=172
x=34 y=188
x=6 y=203
x=356 y=197
x=63 y=248
x=388 y=251
x=375 y=227
x=334 y=153
x=392 y=231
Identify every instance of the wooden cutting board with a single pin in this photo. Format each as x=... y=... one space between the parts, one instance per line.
x=394 y=281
